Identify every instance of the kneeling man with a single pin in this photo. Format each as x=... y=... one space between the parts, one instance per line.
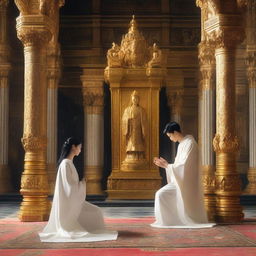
x=180 y=204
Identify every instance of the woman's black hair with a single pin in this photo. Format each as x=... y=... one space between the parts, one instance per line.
x=171 y=127
x=66 y=148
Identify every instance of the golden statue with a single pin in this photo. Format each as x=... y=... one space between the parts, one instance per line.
x=134 y=130
x=114 y=56
x=156 y=57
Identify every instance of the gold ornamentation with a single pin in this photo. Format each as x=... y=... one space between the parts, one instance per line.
x=225 y=143
x=134 y=47
x=35 y=7
x=251 y=68
x=30 y=36
x=114 y=56
x=206 y=53
x=23 y=6
x=225 y=37
x=228 y=183
x=33 y=143
x=34 y=182
x=156 y=60
x=134 y=51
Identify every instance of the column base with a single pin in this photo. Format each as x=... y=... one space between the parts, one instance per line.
x=229 y=210
x=210 y=206
x=34 y=209
x=93 y=176
x=5 y=182
x=136 y=184
x=251 y=187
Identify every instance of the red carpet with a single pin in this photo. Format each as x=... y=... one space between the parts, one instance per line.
x=131 y=252
x=136 y=237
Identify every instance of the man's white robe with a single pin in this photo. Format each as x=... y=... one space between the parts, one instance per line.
x=72 y=219
x=179 y=204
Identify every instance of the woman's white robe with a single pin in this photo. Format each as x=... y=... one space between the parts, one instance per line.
x=179 y=204
x=72 y=219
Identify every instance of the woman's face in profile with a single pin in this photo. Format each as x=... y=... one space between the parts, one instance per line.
x=77 y=149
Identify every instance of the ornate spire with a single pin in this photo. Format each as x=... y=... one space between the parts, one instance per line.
x=134 y=51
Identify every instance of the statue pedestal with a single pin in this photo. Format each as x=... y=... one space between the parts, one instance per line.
x=135 y=184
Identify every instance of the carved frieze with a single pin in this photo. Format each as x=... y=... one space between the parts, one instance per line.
x=228 y=183
x=34 y=182
x=225 y=143
x=185 y=36
x=33 y=143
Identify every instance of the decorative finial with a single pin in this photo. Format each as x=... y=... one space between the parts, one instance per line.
x=133 y=24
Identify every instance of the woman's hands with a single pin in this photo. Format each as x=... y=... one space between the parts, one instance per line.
x=160 y=162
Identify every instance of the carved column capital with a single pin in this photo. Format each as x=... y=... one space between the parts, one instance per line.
x=93 y=92
x=225 y=143
x=34 y=30
x=93 y=99
x=226 y=37
x=206 y=52
x=251 y=67
x=175 y=100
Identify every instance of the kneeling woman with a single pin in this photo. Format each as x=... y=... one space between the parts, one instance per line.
x=72 y=219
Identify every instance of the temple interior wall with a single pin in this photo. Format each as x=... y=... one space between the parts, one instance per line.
x=87 y=30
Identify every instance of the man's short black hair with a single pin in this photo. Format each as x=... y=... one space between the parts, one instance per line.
x=171 y=127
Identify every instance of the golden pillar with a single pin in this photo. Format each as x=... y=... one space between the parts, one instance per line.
x=226 y=32
x=251 y=74
x=93 y=98
x=135 y=75
x=5 y=182
x=35 y=29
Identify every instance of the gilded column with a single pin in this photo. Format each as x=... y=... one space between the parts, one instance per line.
x=35 y=29
x=251 y=74
x=93 y=97
x=226 y=32
x=5 y=182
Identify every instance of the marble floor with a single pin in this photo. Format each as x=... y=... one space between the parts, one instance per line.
x=10 y=210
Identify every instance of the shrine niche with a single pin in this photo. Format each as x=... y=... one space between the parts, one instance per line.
x=135 y=75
